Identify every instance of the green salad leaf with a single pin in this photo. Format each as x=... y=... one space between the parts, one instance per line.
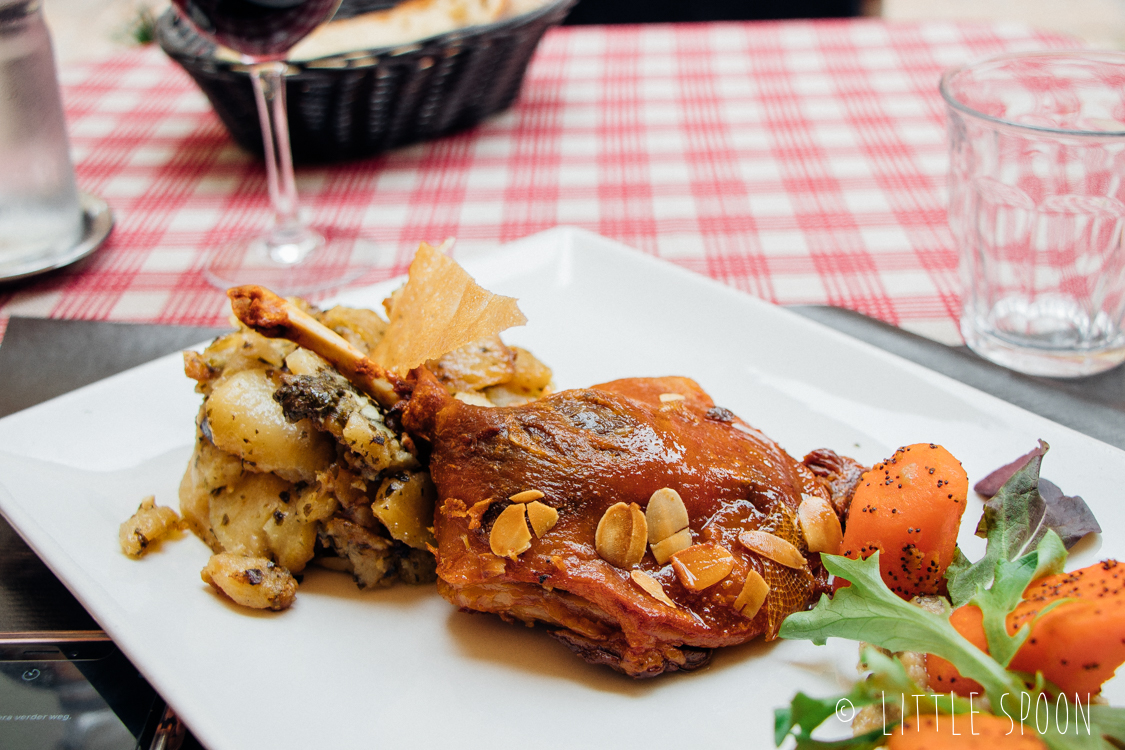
x=1110 y=720
x=869 y=611
x=1087 y=727
x=887 y=687
x=1015 y=521
x=1010 y=580
x=805 y=714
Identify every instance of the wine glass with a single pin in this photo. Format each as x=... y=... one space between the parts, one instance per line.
x=291 y=257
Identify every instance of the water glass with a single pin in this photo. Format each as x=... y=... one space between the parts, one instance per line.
x=1037 y=208
x=40 y=214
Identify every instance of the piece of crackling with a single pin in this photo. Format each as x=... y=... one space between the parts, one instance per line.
x=440 y=309
x=275 y=317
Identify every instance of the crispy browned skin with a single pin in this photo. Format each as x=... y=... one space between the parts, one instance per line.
x=586 y=450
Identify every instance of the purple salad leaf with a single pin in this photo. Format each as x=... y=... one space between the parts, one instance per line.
x=1070 y=517
x=992 y=483
x=1049 y=508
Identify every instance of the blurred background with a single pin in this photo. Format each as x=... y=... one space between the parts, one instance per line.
x=90 y=29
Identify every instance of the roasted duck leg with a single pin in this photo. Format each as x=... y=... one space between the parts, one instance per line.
x=585 y=469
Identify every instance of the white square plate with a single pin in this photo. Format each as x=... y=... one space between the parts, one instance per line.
x=400 y=667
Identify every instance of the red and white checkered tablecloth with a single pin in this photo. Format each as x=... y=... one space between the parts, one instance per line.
x=800 y=161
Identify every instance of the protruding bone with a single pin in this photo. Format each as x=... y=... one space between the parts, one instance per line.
x=278 y=318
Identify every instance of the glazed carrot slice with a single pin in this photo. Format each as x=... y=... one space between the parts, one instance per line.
x=1077 y=645
x=981 y=732
x=944 y=677
x=909 y=508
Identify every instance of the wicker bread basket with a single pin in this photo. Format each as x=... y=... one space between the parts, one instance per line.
x=360 y=103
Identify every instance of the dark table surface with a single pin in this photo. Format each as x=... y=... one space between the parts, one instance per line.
x=41 y=359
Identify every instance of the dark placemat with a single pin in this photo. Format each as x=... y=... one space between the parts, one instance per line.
x=41 y=359
x=1094 y=405
x=31 y=598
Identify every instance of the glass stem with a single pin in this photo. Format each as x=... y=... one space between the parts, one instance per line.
x=289 y=240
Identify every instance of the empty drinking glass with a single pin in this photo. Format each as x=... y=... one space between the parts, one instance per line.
x=1037 y=208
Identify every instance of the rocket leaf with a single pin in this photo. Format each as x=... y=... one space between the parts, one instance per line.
x=1010 y=580
x=869 y=611
x=1095 y=727
x=887 y=685
x=805 y=714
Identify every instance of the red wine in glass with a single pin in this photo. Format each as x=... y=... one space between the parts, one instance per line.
x=290 y=257
x=262 y=29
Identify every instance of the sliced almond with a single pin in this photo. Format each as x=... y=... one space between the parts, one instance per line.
x=543 y=517
x=820 y=525
x=651 y=586
x=621 y=535
x=509 y=536
x=666 y=514
x=753 y=595
x=526 y=496
x=669 y=397
x=702 y=565
x=664 y=550
x=772 y=547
